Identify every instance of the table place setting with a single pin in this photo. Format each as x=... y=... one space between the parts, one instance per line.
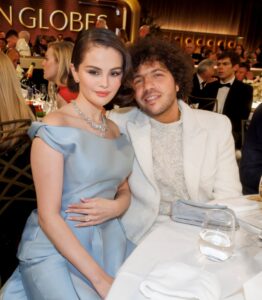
x=248 y=210
x=39 y=101
x=202 y=241
x=169 y=280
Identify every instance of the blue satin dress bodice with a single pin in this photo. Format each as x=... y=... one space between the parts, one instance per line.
x=93 y=167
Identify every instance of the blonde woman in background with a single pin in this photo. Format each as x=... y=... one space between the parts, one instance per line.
x=12 y=103
x=56 y=66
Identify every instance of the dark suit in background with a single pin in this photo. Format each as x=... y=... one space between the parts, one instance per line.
x=237 y=105
x=196 y=90
x=251 y=161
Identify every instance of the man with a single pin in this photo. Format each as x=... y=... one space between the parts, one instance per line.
x=190 y=51
x=23 y=42
x=244 y=72
x=19 y=41
x=234 y=97
x=13 y=54
x=180 y=153
x=144 y=31
x=251 y=161
x=3 y=44
x=11 y=38
x=2 y=35
x=204 y=74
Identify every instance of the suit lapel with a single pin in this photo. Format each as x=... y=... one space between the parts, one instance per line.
x=194 y=150
x=140 y=135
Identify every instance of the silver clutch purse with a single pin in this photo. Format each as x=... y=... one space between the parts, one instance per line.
x=193 y=213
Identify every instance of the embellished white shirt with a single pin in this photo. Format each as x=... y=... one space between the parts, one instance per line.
x=167 y=152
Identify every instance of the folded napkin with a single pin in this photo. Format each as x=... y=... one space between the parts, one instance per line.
x=253 y=289
x=178 y=281
x=191 y=212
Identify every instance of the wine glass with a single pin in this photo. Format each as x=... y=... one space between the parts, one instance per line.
x=43 y=91
x=217 y=235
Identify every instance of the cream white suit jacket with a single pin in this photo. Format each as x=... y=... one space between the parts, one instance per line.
x=210 y=167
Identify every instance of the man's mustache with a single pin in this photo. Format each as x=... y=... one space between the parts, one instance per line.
x=148 y=93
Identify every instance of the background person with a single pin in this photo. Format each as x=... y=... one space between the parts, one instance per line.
x=23 y=43
x=13 y=106
x=243 y=72
x=56 y=65
x=251 y=160
x=234 y=97
x=11 y=38
x=204 y=74
x=13 y=151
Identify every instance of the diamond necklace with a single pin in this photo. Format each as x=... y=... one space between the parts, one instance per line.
x=102 y=127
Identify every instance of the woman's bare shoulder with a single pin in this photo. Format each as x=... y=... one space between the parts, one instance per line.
x=113 y=128
x=57 y=118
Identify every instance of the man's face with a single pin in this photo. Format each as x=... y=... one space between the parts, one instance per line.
x=14 y=56
x=11 y=41
x=155 y=91
x=208 y=73
x=225 y=69
x=189 y=49
x=241 y=73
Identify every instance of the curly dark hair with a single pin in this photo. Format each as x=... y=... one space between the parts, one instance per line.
x=171 y=55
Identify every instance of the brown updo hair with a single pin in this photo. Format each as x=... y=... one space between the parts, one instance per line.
x=106 y=38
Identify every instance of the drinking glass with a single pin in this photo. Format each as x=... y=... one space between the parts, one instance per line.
x=260 y=188
x=43 y=91
x=217 y=235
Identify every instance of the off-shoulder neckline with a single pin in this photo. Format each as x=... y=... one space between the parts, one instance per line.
x=80 y=129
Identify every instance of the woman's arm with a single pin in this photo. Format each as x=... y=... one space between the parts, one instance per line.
x=47 y=167
x=98 y=210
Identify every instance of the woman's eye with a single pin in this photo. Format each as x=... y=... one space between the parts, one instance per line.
x=93 y=72
x=116 y=73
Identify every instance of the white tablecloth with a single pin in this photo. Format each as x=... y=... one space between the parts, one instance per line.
x=179 y=243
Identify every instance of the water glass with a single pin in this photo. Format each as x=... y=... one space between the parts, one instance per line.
x=217 y=235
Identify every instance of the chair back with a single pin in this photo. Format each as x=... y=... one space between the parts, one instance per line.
x=210 y=104
x=16 y=182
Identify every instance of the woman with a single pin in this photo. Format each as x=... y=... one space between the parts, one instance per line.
x=56 y=65
x=12 y=103
x=77 y=152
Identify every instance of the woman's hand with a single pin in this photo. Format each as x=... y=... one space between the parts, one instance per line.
x=103 y=285
x=93 y=211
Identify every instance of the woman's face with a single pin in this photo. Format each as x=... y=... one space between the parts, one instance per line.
x=50 y=65
x=99 y=75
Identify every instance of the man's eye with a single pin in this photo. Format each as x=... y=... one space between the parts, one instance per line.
x=137 y=81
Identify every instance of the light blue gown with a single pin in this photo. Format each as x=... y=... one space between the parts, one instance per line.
x=93 y=167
